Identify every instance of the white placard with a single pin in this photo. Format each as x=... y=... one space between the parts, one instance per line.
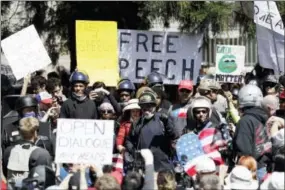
x=174 y=55
x=230 y=63
x=84 y=141
x=25 y=52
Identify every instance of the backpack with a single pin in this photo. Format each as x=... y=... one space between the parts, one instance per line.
x=18 y=164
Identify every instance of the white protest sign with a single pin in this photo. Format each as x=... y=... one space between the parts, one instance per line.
x=174 y=55
x=84 y=141
x=267 y=15
x=230 y=63
x=25 y=52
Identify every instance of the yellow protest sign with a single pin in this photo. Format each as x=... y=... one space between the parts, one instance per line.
x=96 y=50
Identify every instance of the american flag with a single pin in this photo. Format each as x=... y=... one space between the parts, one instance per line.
x=118 y=162
x=209 y=140
x=179 y=113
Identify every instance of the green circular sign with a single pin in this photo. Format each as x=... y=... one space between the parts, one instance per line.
x=227 y=64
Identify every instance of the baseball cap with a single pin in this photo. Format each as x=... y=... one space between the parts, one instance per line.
x=185 y=84
x=44 y=98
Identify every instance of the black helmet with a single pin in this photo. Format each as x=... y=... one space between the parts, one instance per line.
x=154 y=78
x=40 y=177
x=25 y=101
x=126 y=84
x=79 y=76
x=147 y=97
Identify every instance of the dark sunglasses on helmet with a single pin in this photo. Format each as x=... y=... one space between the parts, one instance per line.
x=200 y=111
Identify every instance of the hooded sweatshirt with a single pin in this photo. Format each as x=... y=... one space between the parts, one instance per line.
x=251 y=137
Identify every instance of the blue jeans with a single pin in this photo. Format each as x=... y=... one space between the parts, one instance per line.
x=261 y=173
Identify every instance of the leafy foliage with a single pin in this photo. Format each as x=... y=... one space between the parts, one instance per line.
x=56 y=19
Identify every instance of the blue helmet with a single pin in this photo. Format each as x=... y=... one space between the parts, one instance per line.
x=126 y=84
x=78 y=76
x=154 y=78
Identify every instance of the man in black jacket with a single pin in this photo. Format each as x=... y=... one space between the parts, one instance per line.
x=251 y=138
x=79 y=106
x=152 y=132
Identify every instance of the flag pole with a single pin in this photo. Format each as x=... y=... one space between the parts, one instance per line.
x=274 y=42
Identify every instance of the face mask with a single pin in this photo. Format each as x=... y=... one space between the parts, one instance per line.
x=148 y=115
x=29 y=114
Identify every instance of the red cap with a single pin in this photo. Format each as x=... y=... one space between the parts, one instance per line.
x=185 y=84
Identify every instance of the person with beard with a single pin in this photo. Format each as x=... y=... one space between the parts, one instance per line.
x=251 y=138
x=79 y=106
x=152 y=132
x=99 y=95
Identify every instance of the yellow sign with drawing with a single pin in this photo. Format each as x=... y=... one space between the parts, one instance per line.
x=96 y=50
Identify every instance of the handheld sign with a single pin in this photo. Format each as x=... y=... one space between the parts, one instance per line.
x=96 y=50
x=177 y=56
x=84 y=141
x=25 y=52
x=230 y=63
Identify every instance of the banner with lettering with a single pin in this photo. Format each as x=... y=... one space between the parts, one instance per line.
x=84 y=141
x=230 y=63
x=176 y=56
x=96 y=50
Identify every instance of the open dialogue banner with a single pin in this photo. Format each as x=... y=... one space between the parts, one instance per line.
x=177 y=56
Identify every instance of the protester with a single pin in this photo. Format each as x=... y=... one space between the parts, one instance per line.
x=251 y=137
x=78 y=105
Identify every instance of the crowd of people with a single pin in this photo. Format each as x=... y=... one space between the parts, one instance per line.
x=215 y=136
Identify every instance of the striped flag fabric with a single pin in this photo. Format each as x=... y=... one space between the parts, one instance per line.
x=209 y=140
x=179 y=113
x=118 y=162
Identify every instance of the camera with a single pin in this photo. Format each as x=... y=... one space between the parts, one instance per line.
x=134 y=161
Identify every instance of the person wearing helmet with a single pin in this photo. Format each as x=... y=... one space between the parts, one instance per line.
x=251 y=138
x=200 y=110
x=79 y=106
x=270 y=85
x=154 y=79
x=178 y=112
x=152 y=132
x=126 y=90
x=209 y=89
x=27 y=106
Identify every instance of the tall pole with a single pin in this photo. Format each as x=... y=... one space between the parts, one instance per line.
x=275 y=48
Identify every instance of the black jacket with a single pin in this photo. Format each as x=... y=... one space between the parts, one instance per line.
x=11 y=136
x=251 y=137
x=38 y=157
x=75 y=109
x=154 y=134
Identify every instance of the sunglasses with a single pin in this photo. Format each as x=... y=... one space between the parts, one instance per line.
x=214 y=91
x=106 y=111
x=200 y=111
x=146 y=106
x=185 y=91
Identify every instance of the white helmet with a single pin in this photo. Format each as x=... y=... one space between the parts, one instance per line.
x=250 y=96
x=200 y=102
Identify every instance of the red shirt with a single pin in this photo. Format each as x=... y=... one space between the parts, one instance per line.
x=123 y=132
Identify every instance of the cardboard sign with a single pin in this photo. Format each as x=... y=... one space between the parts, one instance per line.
x=174 y=55
x=230 y=63
x=25 y=52
x=96 y=50
x=84 y=141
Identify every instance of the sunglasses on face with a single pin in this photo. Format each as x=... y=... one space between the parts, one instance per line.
x=204 y=92
x=270 y=84
x=200 y=111
x=106 y=111
x=215 y=91
x=147 y=106
x=185 y=91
